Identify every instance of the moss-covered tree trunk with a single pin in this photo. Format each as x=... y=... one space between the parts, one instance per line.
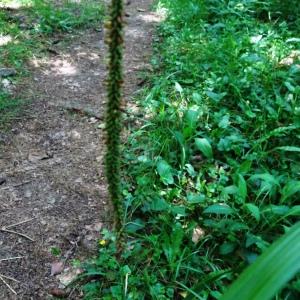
x=113 y=113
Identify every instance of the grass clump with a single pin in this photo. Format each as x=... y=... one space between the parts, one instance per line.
x=9 y=107
x=67 y=16
x=212 y=177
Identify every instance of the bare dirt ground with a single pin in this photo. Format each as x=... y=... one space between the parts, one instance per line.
x=51 y=162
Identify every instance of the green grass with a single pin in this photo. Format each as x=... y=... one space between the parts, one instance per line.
x=29 y=28
x=9 y=108
x=217 y=159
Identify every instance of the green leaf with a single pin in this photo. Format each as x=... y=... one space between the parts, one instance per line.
x=159 y=204
x=254 y=210
x=271 y=271
x=276 y=209
x=221 y=209
x=291 y=188
x=196 y=97
x=191 y=117
x=135 y=225
x=165 y=172
x=294 y=211
x=204 y=146
x=193 y=198
x=230 y=190
x=224 y=122
x=216 y=97
x=288 y=148
x=227 y=248
x=242 y=187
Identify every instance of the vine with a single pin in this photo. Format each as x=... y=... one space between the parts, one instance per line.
x=113 y=113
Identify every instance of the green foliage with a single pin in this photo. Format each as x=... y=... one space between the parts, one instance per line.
x=66 y=17
x=274 y=268
x=9 y=107
x=211 y=178
x=113 y=113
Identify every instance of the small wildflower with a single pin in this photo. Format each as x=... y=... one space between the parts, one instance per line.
x=102 y=242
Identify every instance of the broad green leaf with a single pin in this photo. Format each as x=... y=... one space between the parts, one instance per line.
x=204 y=146
x=216 y=97
x=159 y=204
x=134 y=225
x=194 y=198
x=165 y=172
x=267 y=178
x=271 y=271
x=221 y=209
x=242 y=187
x=245 y=167
x=230 y=190
x=288 y=148
x=254 y=210
x=276 y=209
x=268 y=182
x=191 y=117
x=293 y=40
x=224 y=122
x=196 y=97
x=227 y=248
x=291 y=188
x=294 y=211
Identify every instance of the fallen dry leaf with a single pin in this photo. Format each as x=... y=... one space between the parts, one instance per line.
x=58 y=293
x=69 y=276
x=56 y=268
x=198 y=233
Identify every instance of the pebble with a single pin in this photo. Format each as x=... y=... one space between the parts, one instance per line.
x=5 y=72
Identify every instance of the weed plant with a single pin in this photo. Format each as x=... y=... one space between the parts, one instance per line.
x=212 y=177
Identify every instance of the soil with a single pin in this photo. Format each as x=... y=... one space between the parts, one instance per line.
x=52 y=185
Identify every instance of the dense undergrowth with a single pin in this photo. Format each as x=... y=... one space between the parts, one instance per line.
x=211 y=177
x=26 y=30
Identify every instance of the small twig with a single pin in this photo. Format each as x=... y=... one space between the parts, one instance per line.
x=17 y=185
x=10 y=278
x=17 y=233
x=8 y=286
x=11 y=258
x=16 y=224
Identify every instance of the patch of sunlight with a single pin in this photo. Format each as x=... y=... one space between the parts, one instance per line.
x=162 y=11
x=63 y=67
x=5 y=39
x=15 y=4
x=91 y=56
x=57 y=66
x=151 y=18
x=256 y=39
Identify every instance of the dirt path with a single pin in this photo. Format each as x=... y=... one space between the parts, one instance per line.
x=52 y=162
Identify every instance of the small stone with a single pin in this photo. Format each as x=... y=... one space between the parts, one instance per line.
x=69 y=276
x=101 y=126
x=28 y=194
x=6 y=83
x=79 y=180
x=51 y=200
x=93 y=120
x=6 y=72
x=75 y=135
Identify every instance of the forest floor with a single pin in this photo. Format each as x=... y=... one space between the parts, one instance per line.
x=53 y=185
